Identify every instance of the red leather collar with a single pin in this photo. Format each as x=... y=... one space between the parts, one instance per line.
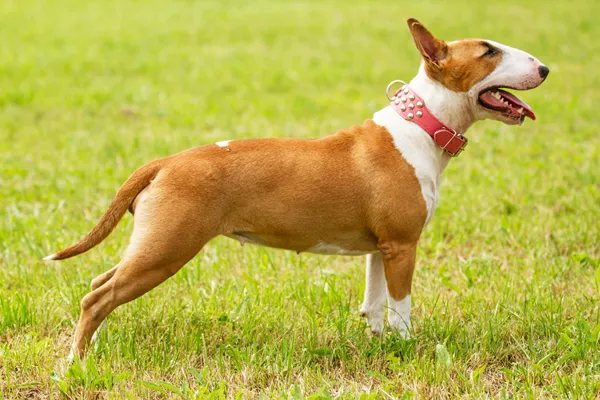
x=411 y=107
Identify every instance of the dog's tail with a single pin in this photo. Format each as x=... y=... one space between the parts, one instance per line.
x=118 y=207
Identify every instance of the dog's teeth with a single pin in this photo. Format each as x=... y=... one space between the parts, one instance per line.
x=520 y=110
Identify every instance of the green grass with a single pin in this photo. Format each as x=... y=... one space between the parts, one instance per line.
x=507 y=286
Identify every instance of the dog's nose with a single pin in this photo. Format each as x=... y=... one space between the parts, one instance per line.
x=544 y=71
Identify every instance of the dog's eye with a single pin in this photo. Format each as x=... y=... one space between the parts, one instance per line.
x=490 y=50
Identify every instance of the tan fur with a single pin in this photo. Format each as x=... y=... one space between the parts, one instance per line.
x=352 y=189
x=458 y=66
x=464 y=65
x=399 y=264
x=118 y=207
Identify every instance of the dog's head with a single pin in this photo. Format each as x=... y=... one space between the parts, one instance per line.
x=481 y=69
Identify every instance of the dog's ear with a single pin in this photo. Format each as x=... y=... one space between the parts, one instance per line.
x=432 y=49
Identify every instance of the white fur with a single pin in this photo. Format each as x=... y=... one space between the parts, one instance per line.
x=399 y=315
x=224 y=143
x=70 y=357
x=374 y=303
x=517 y=69
x=50 y=257
x=332 y=248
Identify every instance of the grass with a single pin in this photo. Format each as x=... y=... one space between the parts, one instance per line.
x=507 y=287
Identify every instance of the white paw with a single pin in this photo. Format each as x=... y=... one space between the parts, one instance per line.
x=64 y=366
x=399 y=316
x=70 y=357
x=374 y=319
x=400 y=326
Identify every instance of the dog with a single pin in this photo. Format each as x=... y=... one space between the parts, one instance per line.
x=367 y=190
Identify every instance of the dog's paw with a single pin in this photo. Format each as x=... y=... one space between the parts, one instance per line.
x=403 y=333
x=65 y=364
x=374 y=319
x=377 y=330
x=400 y=327
x=70 y=358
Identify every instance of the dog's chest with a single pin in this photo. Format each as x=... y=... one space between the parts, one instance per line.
x=419 y=151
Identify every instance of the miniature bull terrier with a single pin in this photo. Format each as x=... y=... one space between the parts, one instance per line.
x=367 y=190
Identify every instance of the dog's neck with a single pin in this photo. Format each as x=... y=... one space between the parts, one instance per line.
x=454 y=109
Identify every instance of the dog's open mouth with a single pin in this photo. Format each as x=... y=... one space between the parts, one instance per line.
x=505 y=103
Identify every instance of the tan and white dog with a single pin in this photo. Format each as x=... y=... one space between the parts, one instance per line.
x=370 y=189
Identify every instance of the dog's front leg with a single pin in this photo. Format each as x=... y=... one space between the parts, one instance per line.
x=399 y=264
x=373 y=306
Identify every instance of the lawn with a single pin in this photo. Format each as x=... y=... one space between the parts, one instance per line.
x=507 y=287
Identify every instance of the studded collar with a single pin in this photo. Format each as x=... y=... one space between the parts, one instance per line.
x=412 y=108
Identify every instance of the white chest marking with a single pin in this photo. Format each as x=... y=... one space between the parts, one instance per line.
x=224 y=143
x=418 y=150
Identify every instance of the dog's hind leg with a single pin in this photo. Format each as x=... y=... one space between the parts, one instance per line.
x=103 y=278
x=167 y=234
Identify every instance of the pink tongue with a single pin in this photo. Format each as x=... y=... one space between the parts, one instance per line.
x=513 y=102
